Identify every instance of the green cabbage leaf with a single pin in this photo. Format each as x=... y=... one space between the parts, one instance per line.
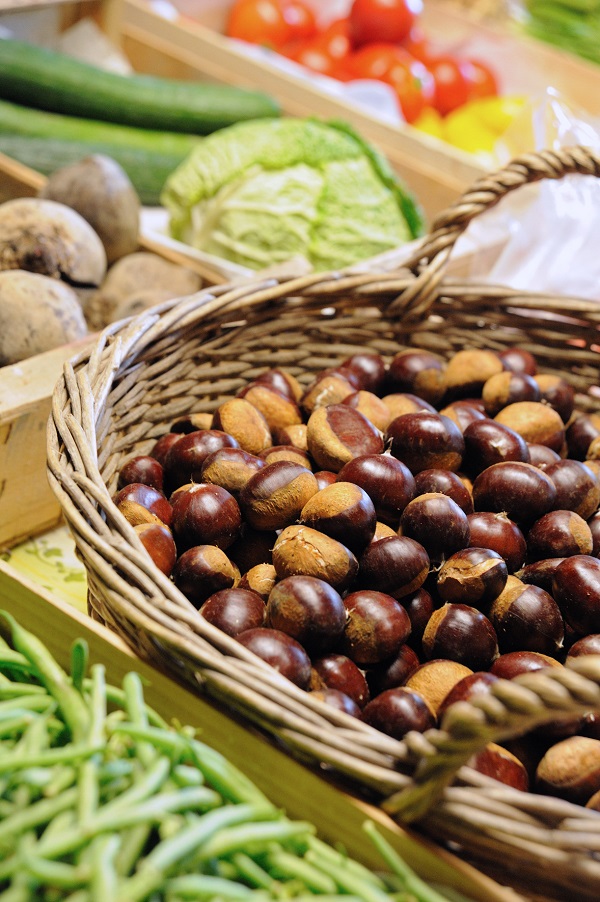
x=263 y=191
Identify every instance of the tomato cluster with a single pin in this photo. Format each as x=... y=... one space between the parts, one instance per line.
x=377 y=39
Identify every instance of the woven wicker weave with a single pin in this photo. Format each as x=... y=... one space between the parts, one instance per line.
x=190 y=354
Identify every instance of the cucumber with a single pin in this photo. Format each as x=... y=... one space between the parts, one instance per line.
x=49 y=141
x=38 y=77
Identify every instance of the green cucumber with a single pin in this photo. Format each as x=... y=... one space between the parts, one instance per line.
x=38 y=77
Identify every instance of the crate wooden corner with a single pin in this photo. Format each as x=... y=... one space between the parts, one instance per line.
x=300 y=791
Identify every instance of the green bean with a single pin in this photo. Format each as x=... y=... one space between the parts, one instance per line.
x=254 y=837
x=346 y=881
x=204 y=887
x=48 y=757
x=103 y=883
x=286 y=865
x=133 y=841
x=326 y=851
x=59 y=874
x=14 y=725
x=11 y=689
x=411 y=882
x=80 y=655
x=53 y=677
x=251 y=871
x=39 y=813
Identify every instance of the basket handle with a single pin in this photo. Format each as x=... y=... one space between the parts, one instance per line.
x=429 y=260
x=510 y=708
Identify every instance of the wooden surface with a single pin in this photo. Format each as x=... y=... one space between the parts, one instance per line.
x=301 y=792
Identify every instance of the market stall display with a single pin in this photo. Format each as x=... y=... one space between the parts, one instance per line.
x=229 y=339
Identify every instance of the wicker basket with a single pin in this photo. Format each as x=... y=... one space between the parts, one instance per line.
x=188 y=355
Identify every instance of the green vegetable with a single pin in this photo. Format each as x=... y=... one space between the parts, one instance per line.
x=111 y=804
x=258 y=193
x=43 y=78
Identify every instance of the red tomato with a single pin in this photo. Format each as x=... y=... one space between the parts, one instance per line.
x=258 y=22
x=335 y=39
x=372 y=60
x=382 y=20
x=300 y=19
x=312 y=55
x=417 y=45
x=481 y=79
x=451 y=84
x=413 y=84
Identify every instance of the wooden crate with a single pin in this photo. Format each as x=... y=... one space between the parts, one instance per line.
x=301 y=792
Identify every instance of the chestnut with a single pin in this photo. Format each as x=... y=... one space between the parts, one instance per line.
x=252 y=547
x=448 y=483
x=461 y=633
x=343 y=511
x=294 y=434
x=202 y=570
x=518 y=360
x=287 y=452
x=419 y=606
x=488 y=442
x=570 y=770
x=241 y=420
x=506 y=388
x=594 y=524
x=205 y=514
x=368 y=368
x=325 y=478
x=337 y=433
x=541 y=455
x=388 y=482
x=581 y=432
x=282 y=652
x=517 y=489
x=231 y=468
x=535 y=422
x=281 y=381
x=398 y=711
x=184 y=460
x=470 y=686
x=513 y=663
x=234 y=610
x=467 y=372
x=463 y=412
x=329 y=388
x=191 y=422
x=587 y=645
x=309 y=610
x=540 y=573
x=557 y=393
x=473 y=576
x=434 y=680
x=500 y=764
x=160 y=448
x=418 y=372
x=382 y=531
x=278 y=409
x=274 y=496
x=376 y=626
x=260 y=579
x=371 y=407
x=577 y=488
x=394 y=672
x=338 y=700
x=576 y=588
x=559 y=533
x=397 y=565
x=142 y=469
x=498 y=533
x=158 y=541
x=400 y=403
x=426 y=440
x=339 y=672
x=146 y=497
x=526 y=618
x=437 y=523
x=302 y=550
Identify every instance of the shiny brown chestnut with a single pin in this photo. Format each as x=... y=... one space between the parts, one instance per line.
x=260 y=579
x=541 y=455
x=338 y=671
x=394 y=672
x=371 y=406
x=336 y=699
x=461 y=633
x=488 y=442
x=143 y=469
x=145 y=497
x=536 y=422
x=294 y=434
x=386 y=480
x=231 y=468
x=160 y=448
x=424 y=441
x=281 y=381
x=500 y=764
x=576 y=588
x=234 y=610
x=526 y=618
x=419 y=606
x=506 y=388
x=400 y=403
x=437 y=523
x=338 y=433
x=286 y=452
x=570 y=770
x=202 y=570
x=396 y=565
x=368 y=368
x=581 y=432
x=274 y=496
x=191 y=422
x=540 y=573
x=279 y=410
x=240 y=419
x=302 y=550
x=517 y=489
x=577 y=487
x=329 y=388
x=184 y=460
x=448 y=483
x=376 y=626
x=587 y=645
x=558 y=393
x=474 y=684
x=399 y=711
x=283 y=653
x=594 y=524
x=473 y=576
x=343 y=511
x=463 y=412
x=158 y=541
x=518 y=360
x=205 y=514
x=417 y=372
x=467 y=372
x=559 y=533
x=325 y=478
x=434 y=680
x=498 y=533
x=513 y=663
x=309 y=610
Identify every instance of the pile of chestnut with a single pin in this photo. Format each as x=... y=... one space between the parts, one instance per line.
x=393 y=537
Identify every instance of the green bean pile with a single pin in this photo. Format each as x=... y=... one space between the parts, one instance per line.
x=102 y=800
